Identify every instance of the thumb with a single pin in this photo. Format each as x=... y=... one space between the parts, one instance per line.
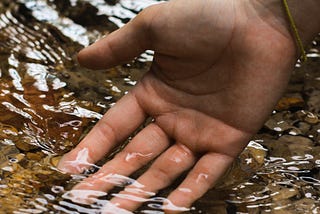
x=121 y=45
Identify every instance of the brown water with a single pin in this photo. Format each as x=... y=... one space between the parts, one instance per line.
x=48 y=103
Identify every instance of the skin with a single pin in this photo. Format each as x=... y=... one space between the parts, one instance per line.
x=219 y=69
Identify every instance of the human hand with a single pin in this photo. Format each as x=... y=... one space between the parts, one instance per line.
x=218 y=70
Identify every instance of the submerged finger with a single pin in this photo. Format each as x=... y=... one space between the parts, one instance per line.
x=162 y=173
x=200 y=179
x=144 y=147
x=115 y=126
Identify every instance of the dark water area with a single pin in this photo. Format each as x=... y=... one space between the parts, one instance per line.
x=48 y=103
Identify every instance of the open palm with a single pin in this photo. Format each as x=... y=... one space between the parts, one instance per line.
x=219 y=68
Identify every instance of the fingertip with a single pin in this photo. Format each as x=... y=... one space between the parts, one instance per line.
x=92 y=57
x=76 y=161
x=172 y=208
x=114 y=208
x=179 y=201
x=64 y=167
x=80 y=57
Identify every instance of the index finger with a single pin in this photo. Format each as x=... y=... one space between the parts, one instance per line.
x=115 y=126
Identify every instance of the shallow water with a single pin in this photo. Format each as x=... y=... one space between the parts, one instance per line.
x=48 y=103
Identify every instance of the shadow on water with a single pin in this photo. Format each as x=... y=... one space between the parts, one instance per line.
x=48 y=103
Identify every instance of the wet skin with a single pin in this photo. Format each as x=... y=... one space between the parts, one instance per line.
x=209 y=90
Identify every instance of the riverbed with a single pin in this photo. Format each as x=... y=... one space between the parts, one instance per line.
x=48 y=103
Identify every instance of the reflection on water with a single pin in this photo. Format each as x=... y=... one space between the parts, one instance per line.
x=48 y=103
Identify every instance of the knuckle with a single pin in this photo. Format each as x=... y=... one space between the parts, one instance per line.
x=162 y=175
x=156 y=132
x=106 y=130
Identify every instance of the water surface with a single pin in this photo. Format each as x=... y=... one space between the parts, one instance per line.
x=48 y=103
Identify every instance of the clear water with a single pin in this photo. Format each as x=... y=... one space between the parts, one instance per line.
x=48 y=103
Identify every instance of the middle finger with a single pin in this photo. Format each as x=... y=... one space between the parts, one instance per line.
x=144 y=147
x=168 y=166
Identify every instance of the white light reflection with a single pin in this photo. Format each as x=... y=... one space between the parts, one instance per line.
x=168 y=205
x=16 y=79
x=202 y=176
x=49 y=197
x=82 y=112
x=42 y=201
x=39 y=207
x=176 y=159
x=138 y=5
x=278 y=129
x=7 y=168
x=39 y=73
x=57 y=189
x=80 y=209
x=140 y=191
x=130 y=197
x=178 y=154
x=294 y=163
x=248 y=160
x=186 y=190
x=256 y=145
x=83 y=196
x=133 y=155
x=115 y=179
x=23 y=211
x=34 y=54
x=301 y=158
x=43 y=12
x=21 y=99
x=110 y=208
x=310 y=180
x=80 y=163
x=57 y=84
x=277 y=160
x=17 y=110
x=13 y=61
x=156 y=202
x=70 y=108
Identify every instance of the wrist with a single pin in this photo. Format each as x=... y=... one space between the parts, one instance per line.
x=305 y=14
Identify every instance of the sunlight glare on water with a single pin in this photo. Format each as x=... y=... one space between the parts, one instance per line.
x=48 y=103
